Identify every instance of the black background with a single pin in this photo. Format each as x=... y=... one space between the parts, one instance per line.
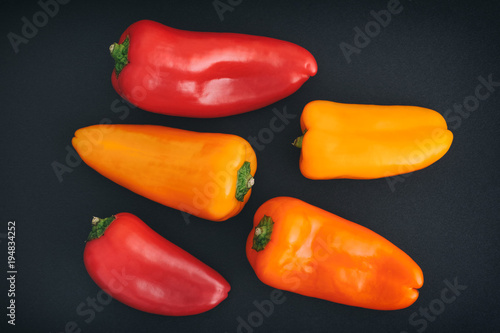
x=446 y=217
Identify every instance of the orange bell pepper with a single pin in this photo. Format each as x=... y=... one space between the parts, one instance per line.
x=369 y=141
x=208 y=175
x=301 y=248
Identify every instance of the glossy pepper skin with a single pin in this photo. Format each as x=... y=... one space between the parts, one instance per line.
x=138 y=267
x=369 y=141
x=304 y=249
x=205 y=74
x=208 y=175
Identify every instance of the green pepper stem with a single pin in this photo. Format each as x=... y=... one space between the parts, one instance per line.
x=244 y=182
x=119 y=52
x=298 y=142
x=262 y=234
x=99 y=226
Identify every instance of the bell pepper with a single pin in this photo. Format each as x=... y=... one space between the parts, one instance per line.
x=140 y=268
x=208 y=175
x=205 y=74
x=301 y=248
x=369 y=141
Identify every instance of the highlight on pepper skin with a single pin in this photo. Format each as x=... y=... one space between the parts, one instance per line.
x=209 y=175
x=369 y=141
x=301 y=248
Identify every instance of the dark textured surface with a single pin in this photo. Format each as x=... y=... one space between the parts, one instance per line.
x=446 y=217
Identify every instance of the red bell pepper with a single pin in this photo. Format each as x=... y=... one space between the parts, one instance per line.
x=205 y=74
x=138 y=267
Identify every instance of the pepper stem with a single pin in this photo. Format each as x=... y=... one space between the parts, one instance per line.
x=262 y=234
x=298 y=142
x=99 y=226
x=244 y=182
x=119 y=52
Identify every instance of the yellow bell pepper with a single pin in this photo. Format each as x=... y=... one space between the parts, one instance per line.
x=369 y=141
x=208 y=175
